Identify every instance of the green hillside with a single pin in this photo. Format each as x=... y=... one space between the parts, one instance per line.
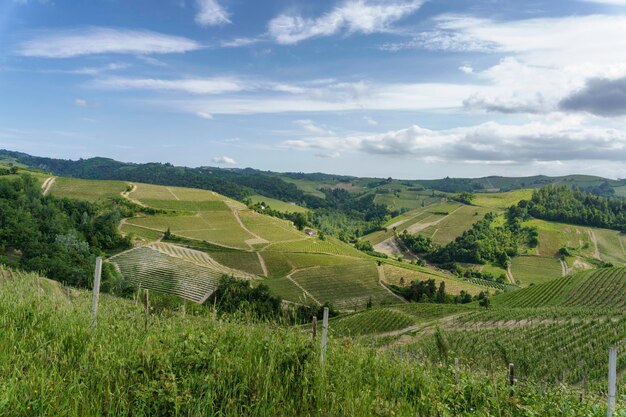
x=171 y=363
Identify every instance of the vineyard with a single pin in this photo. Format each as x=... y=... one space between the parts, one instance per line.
x=189 y=274
x=403 y=276
x=453 y=225
x=566 y=350
x=91 y=190
x=602 y=288
x=345 y=286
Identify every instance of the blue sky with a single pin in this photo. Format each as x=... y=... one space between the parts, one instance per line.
x=401 y=88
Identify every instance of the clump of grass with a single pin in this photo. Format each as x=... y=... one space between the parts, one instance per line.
x=193 y=365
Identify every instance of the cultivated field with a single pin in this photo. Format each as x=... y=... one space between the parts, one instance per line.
x=397 y=275
x=278 y=204
x=450 y=227
x=91 y=190
x=535 y=269
x=501 y=201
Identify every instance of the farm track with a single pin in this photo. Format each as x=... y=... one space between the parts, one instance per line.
x=257 y=239
x=47 y=185
x=262 y=262
x=172 y=193
x=509 y=275
x=126 y=195
x=594 y=240
x=564 y=267
x=381 y=280
x=290 y=278
x=436 y=222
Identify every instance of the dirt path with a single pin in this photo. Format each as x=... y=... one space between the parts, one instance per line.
x=289 y=277
x=257 y=239
x=509 y=275
x=594 y=239
x=388 y=246
x=381 y=280
x=126 y=195
x=421 y=226
x=564 y=267
x=263 y=266
x=172 y=193
x=47 y=185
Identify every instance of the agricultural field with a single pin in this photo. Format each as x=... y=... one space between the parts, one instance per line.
x=219 y=227
x=501 y=201
x=278 y=204
x=448 y=228
x=566 y=350
x=531 y=270
x=611 y=245
x=404 y=276
x=603 y=288
x=347 y=287
x=91 y=190
x=270 y=228
x=553 y=236
x=309 y=187
x=141 y=234
x=407 y=200
x=314 y=245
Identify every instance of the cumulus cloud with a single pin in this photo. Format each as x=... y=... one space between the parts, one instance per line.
x=353 y=16
x=565 y=139
x=102 y=40
x=211 y=13
x=224 y=160
x=600 y=96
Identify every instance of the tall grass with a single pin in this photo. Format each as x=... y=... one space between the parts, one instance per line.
x=52 y=365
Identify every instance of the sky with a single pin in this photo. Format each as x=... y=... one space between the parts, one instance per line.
x=393 y=88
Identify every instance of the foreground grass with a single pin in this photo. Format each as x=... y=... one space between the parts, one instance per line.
x=53 y=365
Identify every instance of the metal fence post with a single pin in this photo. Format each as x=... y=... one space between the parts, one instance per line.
x=324 y=334
x=96 y=293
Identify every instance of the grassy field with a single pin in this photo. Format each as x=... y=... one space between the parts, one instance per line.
x=408 y=200
x=309 y=187
x=141 y=234
x=91 y=190
x=160 y=366
x=501 y=201
x=395 y=275
x=611 y=245
x=345 y=286
x=535 y=269
x=314 y=245
x=278 y=204
x=450 y=227
x=553 y=236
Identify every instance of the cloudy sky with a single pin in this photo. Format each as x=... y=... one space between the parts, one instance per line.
x=401 y=88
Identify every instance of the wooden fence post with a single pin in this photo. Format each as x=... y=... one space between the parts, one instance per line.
x=96 y=293
x=146 y=307
x=324 y=334
x=314 y=326
x=612 y=380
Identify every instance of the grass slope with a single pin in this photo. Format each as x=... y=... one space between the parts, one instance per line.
x=91 y=190
x=531 y=270
x=196 y=366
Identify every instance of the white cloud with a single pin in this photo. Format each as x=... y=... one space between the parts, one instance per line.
x=610 y=2
x=188 y=85
x=353 y=16
x=211 y=13
x=549 y=139
x=239 y=42
x=310 y=127
x=224 y=160
x=81 y=102
x=102 y=40
x=467 y=69
x=370 y=121
x=204 y=115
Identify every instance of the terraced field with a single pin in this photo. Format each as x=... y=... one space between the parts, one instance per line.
x=345 y=286
x=91 y=190
x=531 y=270
x=602 y=288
